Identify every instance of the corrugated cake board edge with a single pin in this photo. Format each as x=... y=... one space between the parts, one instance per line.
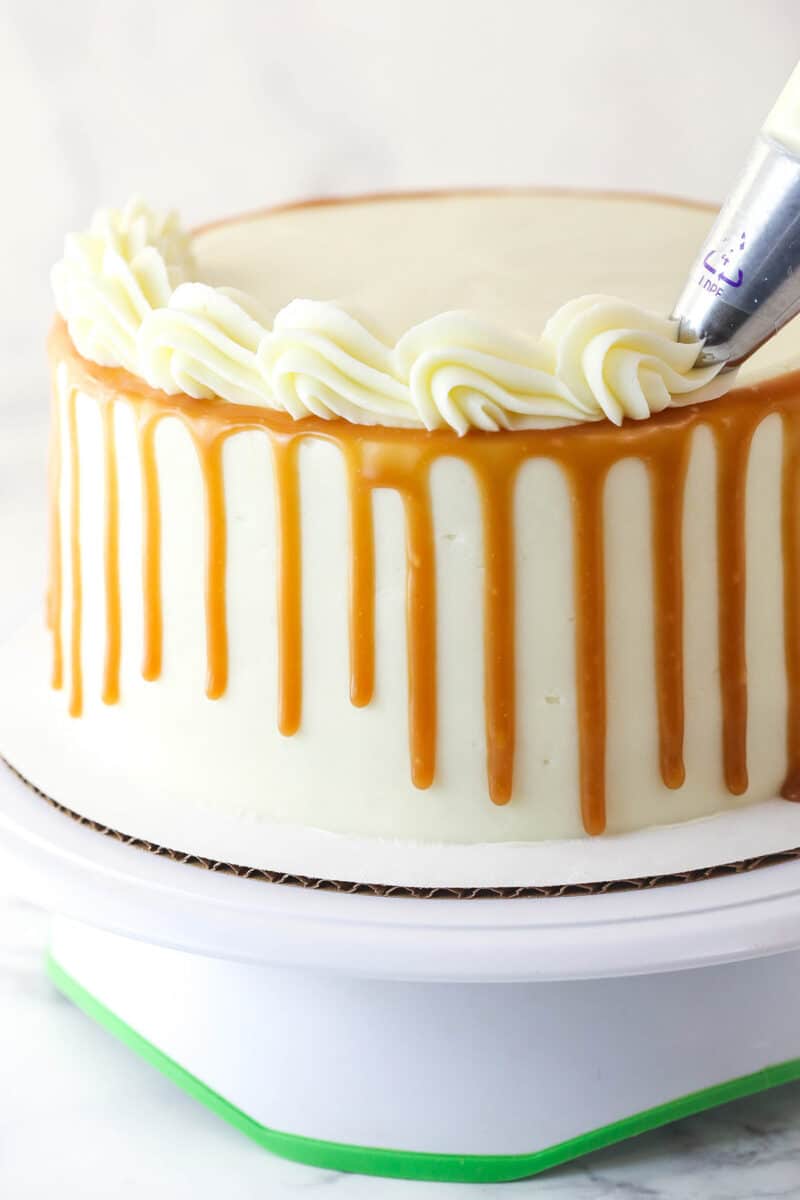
x=266 y=875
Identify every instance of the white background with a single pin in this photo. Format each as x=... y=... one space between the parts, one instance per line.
x=219 y=107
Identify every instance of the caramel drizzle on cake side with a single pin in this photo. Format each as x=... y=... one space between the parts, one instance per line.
x=401 y=460
x=55 y=573
x=667 y=472
x=76 y=561
x=111 y=669
x=290 y=586
x=362 y=583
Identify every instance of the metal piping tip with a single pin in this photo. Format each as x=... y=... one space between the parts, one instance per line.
x=744 y=285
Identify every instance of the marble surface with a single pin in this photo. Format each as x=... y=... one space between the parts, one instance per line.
x=219 y=108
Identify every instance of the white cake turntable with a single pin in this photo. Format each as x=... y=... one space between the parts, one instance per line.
x=448 y=1039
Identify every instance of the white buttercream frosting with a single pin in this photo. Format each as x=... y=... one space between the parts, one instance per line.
x=112 y=276
x=124 y=289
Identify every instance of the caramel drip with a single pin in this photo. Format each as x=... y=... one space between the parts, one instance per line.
x=216 y=556
x=733 y=446
x=113 y=603
x=497 y=496
x=55 y=581
x=391 y=461
x=401 y=460
x=667 y=488
x=421 y=631
x=290 y=595
x=791 y=600
x=76 y=581
x=587 y=480
x=362 y=585
x=151 y=548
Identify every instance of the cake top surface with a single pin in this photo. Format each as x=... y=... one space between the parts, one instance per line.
x=432 y=310
x=512 y=258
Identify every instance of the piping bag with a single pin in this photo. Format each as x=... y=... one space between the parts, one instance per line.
x=745 y=283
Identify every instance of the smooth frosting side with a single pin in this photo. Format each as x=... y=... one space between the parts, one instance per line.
x=123 y=288
x=350 y=591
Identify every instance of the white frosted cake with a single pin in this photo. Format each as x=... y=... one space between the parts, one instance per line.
x=363 y=523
